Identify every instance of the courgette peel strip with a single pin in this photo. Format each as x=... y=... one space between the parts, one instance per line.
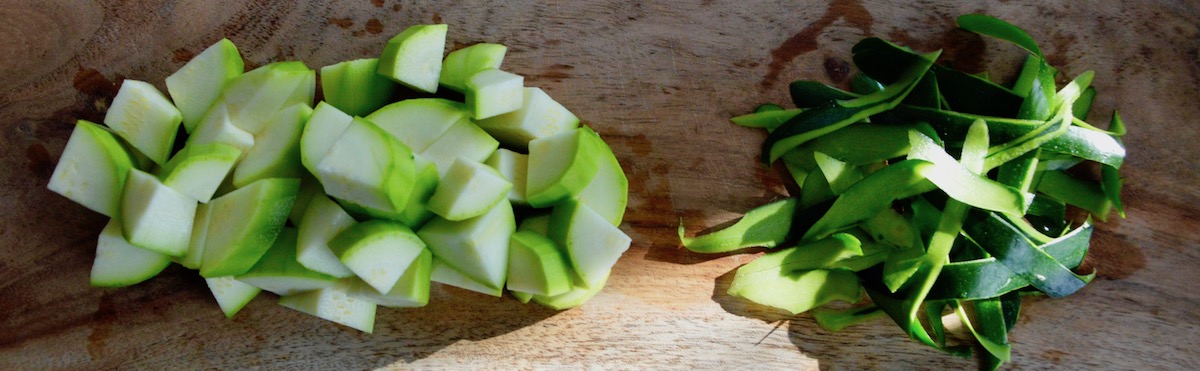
x=934 y=192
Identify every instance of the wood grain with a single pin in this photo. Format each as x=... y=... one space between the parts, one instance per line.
x=658 y=81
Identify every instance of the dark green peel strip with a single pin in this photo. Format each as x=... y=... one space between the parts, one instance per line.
x=988 y=277
x=991 y=26
x=808 y=94
x=1016 y=253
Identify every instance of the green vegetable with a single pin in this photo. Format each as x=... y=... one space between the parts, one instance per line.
x=932 y=190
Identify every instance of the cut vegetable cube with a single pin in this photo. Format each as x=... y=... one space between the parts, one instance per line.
x=324 y=127
x=244 y=225
x=461 y=64
x=195 y=252
x=198 y=170
x=411 y=290
x=559 y=167
x=276 y=151
x=536 y=265
x=592 y=243
x=377 y=251
x=494 y=92
x=254 y=97
x=92 y=169
x=574 y=298
x=477 y=247
x=145 y=118
x=514 y=167
x=354 y=87
x=464 y=140
x=279 y=272
x=156 y=217
x=418 y=122
x=468 y=190
x=416 y=213
x=445 y=274
x=322 y=221
x=232 y=295
x=538 y=117
x=199 y=83
x=523 y=297
x=414 y=57
x=335 y=303
x=119 y=263
x=218 y=128
x=608 y=191
x=368 y=167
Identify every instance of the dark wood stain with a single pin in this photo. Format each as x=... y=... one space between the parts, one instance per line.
x=41 y=163
x=344 y=23
x=397 y=7
x=182 y=55
x=437 y=18
x=91 y=82
x=837 y=69
x=377 y=3
x=102 y=321
x=806 y=40
x=374 y=26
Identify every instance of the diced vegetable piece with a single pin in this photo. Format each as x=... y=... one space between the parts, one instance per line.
x=592 y=243
x=608 y=192
x=377 y=251
x=461 y=64
x=232 y=295
x=335 y=303
x=411 y=290
x=414 y=57
x=310 y=188
x=418 y=122
x=514 y=167
x=536 y=265
x=477 y=247
x=354 y=87
x=276 y=151
x=322 y=221
x=156 y=217
x=538 y=117
x=199 y=83
x=92 y=169
x=464 y=139
x=218 y=128
x=279 y=272
x=468 y=190
x=195 y=252
x=119 y=263
x=325 y=125
x=571 y=299
x=244 y=225
x=445 y=274
x=255 y=96
x=559 y=167
x=494 y=92
x=198 y=169
x=145 y=118
x=368 y=167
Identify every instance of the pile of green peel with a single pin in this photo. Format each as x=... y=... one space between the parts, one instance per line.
x=937 y=192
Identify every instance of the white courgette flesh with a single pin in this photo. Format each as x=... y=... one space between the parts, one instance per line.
x=377 y=251
x=156 y=217
x=144 y=117
x=418 y=191
x=92 y=169
x=119 y=263
x=199 y=83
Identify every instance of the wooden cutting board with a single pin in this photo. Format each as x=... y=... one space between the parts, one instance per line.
x=659 y=82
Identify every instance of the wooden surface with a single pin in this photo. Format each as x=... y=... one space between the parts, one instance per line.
x=658 y=81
